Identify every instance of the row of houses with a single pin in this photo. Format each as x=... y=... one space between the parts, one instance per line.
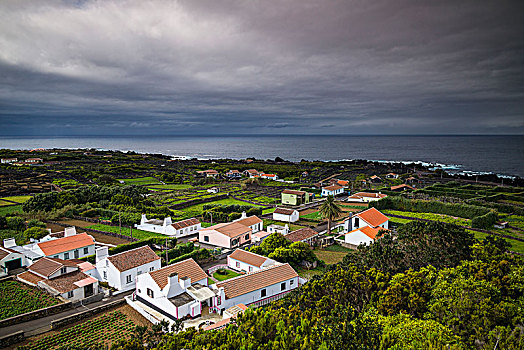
x=235 y=174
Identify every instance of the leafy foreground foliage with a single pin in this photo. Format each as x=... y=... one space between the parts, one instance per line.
x=472 y=297
x=17 y=298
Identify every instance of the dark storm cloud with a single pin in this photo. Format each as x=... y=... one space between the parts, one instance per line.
x=139 y=67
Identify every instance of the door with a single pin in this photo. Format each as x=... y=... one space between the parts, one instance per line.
x=88 y=290
x=13 y=264
x=77 y=254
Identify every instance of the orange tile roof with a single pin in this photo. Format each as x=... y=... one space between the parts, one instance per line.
x=342 y=182
x=186 y=268
x=294 y=192
x=257 y=280
x=368 y=231
x=401 y=186
x=250 y=221
x=133 y=258
x=332 y=188
x=230 y=229
x=67 y=243
x=220 y=324
x=368 y=194
x=47 y=266
x=373 y=217
x=284 y=211
x=248 y=257
x=185 y=223
x=30 y=277
x=301 y=234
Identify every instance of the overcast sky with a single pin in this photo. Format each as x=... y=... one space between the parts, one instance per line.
x=261 y=67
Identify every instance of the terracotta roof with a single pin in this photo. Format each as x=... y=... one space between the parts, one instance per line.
x=401 y=186
x=66 y=283
x=368 y=194
x=252 y=171
x=332 y=188
x=220 y=324
x=294 y=192
x=248 y=257
x=301 y=234
x=185 y=223
x=4 y=252
x=284 y=211
x=30 y=277
x=368 y=231
x=47 y=266
x=67 y=243
x=250 y=221
x=373 y=217
x=257 y=280
x=230 y=229
x=187 y=268
x=268 y=175
x=133 y=258
x=209 y=171
x=261 y=234
x=342 y=182
x=375 y=177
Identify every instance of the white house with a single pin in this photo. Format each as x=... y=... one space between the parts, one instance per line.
x=242 y=260
x=71 y=246
x=284 y=230
x=391 y=176
x=8 y=160
x=61 y=278
x=365 y=197
x=167 y=227
x=209 y=173
x=257 y=288
x=370 y=217
x=253 y=222
x=332 y=190
x=251 y=173
x=10 y=260
x=286 y=215
x=175 y=291
x=120 y=270
x=233 y=174
x=269 y=176
x=364 y=235
x=28 y=256
x=226 y=235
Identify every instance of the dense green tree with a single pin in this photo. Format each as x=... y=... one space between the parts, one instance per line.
x=35 y=223
x=35 y=233
x=15 y=223
x=274 y=241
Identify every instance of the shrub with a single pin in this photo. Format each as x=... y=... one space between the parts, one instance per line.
x=485 y=221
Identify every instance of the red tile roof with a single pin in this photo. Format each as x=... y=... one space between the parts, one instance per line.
x=368 y=231
x=250 y=221
x=294 y=192
x=393 y=188
x=301 y=234
x=284 y=211
x=248 y=257
x=185 y=223
x=232 y=230
x=332 y=188
x=257 y=280
x=368 y=194
x=47 y=266
x=66 y=283
x=187 y=268
x=67 y=243
x=133 y=258
x=373 y=217
x=30 y=277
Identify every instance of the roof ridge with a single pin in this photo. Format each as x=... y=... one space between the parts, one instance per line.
x=278 y=264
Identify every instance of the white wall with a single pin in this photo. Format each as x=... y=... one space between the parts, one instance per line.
x=286 y=218
x=117 y=279
x=357 y=238
x=71 y=253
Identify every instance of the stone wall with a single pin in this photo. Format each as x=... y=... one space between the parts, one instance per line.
x=51 y=310
x=88 y=313
x=11 y=339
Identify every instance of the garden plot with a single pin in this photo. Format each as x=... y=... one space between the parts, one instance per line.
x=17 y=298
x=141 y=181
x=223 y=274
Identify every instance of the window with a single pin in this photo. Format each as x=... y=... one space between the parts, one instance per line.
x=152 y=268
x=356 y=222
x=291 y=282
x=237 y=264
x=283 y=286
x=150 y=293
x=247 y=237
x=250 y=269
x=105 y=275
x=206 y=238
x=66 y=256
x=128 y=279
x=139 y=272
x=139 y=291
x=86 y=250
x=63 y=270
x=70 y=294
x=262 y=293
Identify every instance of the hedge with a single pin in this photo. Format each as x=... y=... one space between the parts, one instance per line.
x=199 y=254
x=485 y=221
x=177 y=251
x=454 y=209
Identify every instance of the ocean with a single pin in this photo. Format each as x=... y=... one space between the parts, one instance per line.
x=503 y=155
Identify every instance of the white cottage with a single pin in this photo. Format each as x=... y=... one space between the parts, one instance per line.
x=10 y=260
x=167 y=227
x=286 y=215
x=242 y=260
x=120 y=270
x=71 y=246
x=364 y=235
x=365 y=197
x=62 y=278
x=333 y=190
x=175 y=291
x=370 y=217
x=257 y=288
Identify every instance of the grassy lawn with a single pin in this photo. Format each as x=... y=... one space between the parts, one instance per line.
x=210 y=281
x=170 y=187
x=141 y=181
x=332 y=254
x=139 y=234
x=17 y=199
x=3 y=203
x=17 y=298
x=11 y=209
x=308 y=274
x=430 y=216
x=315 y=216
x=268 y=211
x=228 y=274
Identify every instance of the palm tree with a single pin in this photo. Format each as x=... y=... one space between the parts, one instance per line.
x=330 y=210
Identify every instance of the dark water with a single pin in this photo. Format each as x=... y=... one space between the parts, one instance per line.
x=498 y=154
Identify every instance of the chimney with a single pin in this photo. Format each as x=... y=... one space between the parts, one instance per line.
x=101 y=253
x=9 y=242
x=172 y=280
x=69 y=231
x=243 y=215
x=143 y=219
x=167 y=221
x=286 y=229
x=185 y=282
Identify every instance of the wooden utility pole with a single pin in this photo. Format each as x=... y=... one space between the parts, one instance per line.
x=119 y=223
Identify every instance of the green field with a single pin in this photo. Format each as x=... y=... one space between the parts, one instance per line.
x=17 y=199
x=315 y=216
x=170 y=187
x=227 y=201
x=139 y=181
x=4 y=203
x=268 y=211
x=222 y=277
x=10 y=209
x=430 y=216
x=17 y=298
x=139 y=234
